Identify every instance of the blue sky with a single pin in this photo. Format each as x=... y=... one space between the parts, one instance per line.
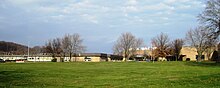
x=99 y=22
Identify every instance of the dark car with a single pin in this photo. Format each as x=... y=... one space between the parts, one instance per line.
x=2 y=61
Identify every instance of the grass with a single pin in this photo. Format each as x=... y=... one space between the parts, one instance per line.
x=109 y=75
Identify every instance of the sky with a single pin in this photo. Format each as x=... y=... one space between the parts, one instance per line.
x=99 y=22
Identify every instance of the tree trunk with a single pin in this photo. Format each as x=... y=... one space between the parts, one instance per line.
x=71 y=57
x=63 y=57
x=126 y=57
x=199 y=59
x=218 y=58
x=177 y=57
x=75 y=56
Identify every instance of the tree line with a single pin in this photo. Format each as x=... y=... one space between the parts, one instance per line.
x=204 y=38
x=68 y=45
x=8 y=48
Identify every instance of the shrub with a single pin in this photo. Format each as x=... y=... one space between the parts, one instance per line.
x=54 y=60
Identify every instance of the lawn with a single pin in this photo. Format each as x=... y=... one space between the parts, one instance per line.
x=109 y=74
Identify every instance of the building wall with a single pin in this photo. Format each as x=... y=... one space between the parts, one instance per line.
x=191 y=53
x=40 y=59
x=142 y=52
x=93 y=58
x=11 y=58
x=82 y=59
x=31 y=58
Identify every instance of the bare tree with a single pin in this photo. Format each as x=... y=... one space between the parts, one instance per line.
x=76 y=45
x=48 y=47
x=198 y=38
x=176 y=47
x=65 y=43
x=211 y=47
x=162 y=43
x=36 y=50
x=126 y=45
x=69 y=44
x=218 y=59
x=117 y=50
x=211 y=17
x=54 y=46
x=72 y=44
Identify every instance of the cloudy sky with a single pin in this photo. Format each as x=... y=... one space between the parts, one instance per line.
x=99 y=22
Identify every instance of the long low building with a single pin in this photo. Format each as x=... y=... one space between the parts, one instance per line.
x=87 y=57
x=84 y=57
x=187 y=53
x=37 y=58
x=191 y=54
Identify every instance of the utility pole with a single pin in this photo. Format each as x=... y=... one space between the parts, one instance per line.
x=28 y=50
x=152 y=52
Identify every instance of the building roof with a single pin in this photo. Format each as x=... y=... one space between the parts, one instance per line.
x=49 y=55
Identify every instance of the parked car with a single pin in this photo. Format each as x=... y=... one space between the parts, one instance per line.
x=20 y=60
x=2 y=61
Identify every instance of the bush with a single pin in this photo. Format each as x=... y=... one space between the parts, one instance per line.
x=54 y=60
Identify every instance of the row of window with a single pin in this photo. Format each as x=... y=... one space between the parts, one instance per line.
x=33 y=58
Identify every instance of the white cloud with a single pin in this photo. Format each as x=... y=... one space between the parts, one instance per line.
x=165 y=18
x=130 y=9
x=185 y=0
x=47 y=9
x=139 y=19
x=2 y=5
x=2 y=19
x=58 y=17
x=132 y=2
x=184 y=7
x=114 y=16
x=90 y=18
x=82 y=5
x=178 y=1
x=160 y=6
x=23 y=2
x=171 y=1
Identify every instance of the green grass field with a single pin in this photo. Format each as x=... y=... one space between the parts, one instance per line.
x=109 y=74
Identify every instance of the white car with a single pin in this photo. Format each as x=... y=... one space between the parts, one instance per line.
x=2 y=61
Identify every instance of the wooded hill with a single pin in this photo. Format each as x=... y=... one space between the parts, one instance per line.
x=8 y=48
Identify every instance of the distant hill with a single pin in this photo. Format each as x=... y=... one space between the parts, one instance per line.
x=12 y=48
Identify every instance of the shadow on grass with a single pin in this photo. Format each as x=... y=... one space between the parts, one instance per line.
x=203 y=81
x=211 y=81
x=205 y=64
x=8 y=77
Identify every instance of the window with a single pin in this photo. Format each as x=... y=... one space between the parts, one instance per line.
x=87 y=59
